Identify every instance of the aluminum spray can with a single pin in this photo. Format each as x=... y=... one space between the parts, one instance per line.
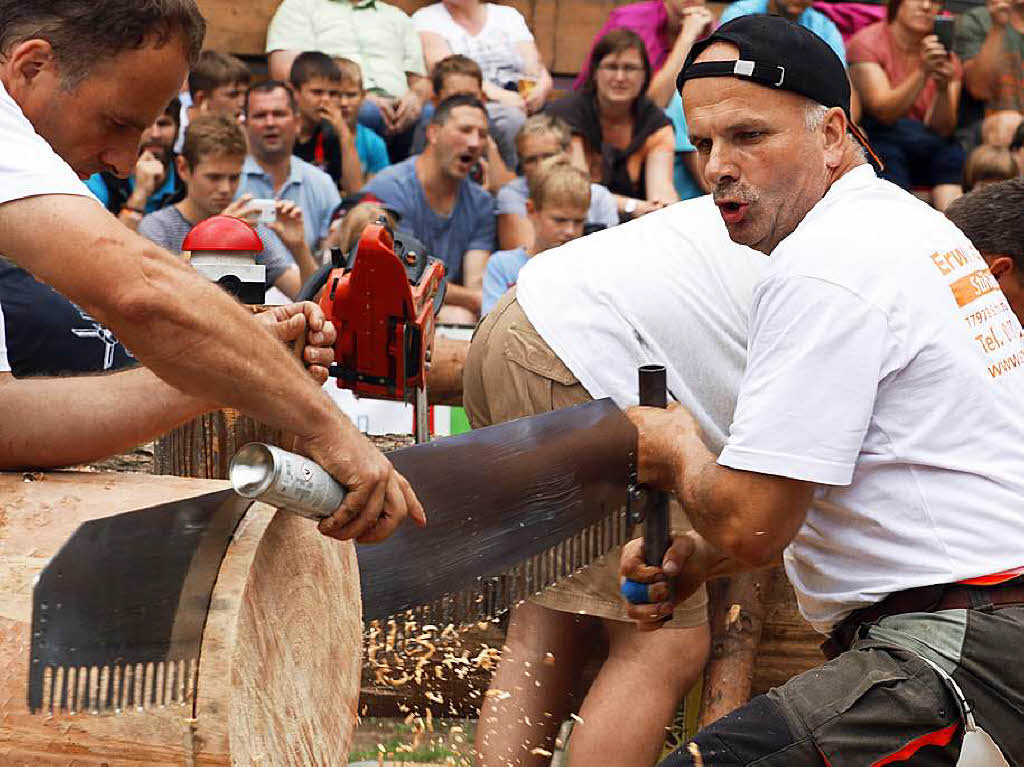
x=285 y=480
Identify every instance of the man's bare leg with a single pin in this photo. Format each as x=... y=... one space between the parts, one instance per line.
x=531 y=693
x=635 y=696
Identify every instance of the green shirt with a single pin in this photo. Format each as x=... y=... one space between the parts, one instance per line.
x=379 y=37
x=971 y=31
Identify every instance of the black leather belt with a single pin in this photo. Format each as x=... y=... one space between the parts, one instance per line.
x=924 y=599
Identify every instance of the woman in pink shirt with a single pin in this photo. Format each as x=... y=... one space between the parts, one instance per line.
x=909 y=85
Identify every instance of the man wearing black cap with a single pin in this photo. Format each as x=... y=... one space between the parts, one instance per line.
x=877 y=446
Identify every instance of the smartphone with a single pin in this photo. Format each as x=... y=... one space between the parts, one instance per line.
x=944 y=31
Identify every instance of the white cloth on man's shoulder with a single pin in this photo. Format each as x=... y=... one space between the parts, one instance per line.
x=886 y=365
x=669 y=288
x=28 y=165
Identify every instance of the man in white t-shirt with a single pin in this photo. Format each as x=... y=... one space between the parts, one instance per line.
x=884 y=378
x=80 y=81
x=670 y=288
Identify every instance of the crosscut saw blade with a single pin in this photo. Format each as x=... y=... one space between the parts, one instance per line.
x=511 y=509
x=118 y=613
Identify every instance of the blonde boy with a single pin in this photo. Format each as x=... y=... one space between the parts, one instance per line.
x=373 y=152
x=559 y=197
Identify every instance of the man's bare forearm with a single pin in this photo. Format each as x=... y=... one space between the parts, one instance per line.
x=185 y=329
x=52 y=422
x=746 y=516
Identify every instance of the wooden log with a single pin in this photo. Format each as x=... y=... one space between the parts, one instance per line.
x=279 y=665
x=789 y=646
x=203 y=447
x=737 y=615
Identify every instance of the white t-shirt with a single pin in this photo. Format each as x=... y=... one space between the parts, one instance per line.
x=495 y=48
x=886 y=366
x=669 y=288
x=28 y=167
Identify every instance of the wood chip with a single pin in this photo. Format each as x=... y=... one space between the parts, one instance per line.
x=694 y=750
x=540 y=752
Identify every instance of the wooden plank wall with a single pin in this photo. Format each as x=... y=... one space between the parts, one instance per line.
x=563 y=28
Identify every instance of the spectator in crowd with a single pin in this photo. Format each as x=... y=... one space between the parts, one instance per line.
x=668 y=28
x=515 y=80
x=542 y=138
x=987 y=165
x=1017 y=145
x=990 y=41
x=272 y=171
x=347 y=228
x=991 y=218
x=379 y=37
x=210 y=163
x=999 y=128
x=325 y=138
x=152 y=184
x=799 y=11
x=621 y=137
x=439 y=204
x=372 y=151
x=909 y=86
x=556 y=208
x=217 y=83
x=459 y=75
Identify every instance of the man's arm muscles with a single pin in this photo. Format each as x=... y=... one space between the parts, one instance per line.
x=86 y=418
x=748 y=517
x=182 y=327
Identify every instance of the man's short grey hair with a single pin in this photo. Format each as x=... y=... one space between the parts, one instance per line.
x=814 y=118
x=84 y=31
x=814 y=115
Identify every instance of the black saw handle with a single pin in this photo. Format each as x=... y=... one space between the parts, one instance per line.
x=653 y=393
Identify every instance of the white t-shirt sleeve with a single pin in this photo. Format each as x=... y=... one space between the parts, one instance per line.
x=817 y=353
x=28 y=165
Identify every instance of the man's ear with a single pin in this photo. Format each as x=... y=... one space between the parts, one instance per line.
x=183 y=170
x=530 y=207
x=30 y=60
x=1000 y=266
x=432 y=129
x=834 y=133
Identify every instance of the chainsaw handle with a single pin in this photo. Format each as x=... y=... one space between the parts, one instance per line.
x=313 y=285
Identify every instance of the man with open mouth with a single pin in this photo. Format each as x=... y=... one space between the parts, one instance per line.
x=883 y=383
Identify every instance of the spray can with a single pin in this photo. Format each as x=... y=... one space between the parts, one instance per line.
x=285 y=480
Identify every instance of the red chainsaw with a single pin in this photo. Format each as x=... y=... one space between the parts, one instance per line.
x=383 y=297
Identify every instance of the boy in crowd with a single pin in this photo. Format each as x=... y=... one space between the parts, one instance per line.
x=211 y=164
x=372 y=151
x=325 y=138
x=459 y=75
x=557 y=209
x=217 y=83
x=440 y=205
x=542 y=137
x=153 y=183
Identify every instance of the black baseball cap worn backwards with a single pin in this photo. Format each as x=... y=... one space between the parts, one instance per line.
x=777 y=53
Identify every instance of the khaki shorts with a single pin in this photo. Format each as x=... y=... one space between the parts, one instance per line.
x=510 y=373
